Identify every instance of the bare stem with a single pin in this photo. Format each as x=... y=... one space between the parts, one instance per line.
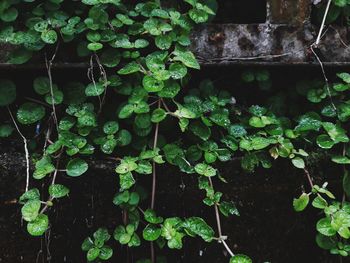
x=218 y=222
x=227 y=247
x=154 y=180
x=323 y=23
x=217 y=215
x=48 y=67
x=154 y=174
x=307 y=173
x=25 y=148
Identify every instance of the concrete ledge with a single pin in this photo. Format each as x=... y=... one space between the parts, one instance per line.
x=249 y=44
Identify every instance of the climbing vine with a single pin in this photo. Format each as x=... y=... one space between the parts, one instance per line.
x=139 y=61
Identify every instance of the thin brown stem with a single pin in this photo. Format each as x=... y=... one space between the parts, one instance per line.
x=221 y=238
x=323 y=23
x=308 y=176
x=154 y=180
x=25 y=148
x=217 y=215
x=48 y=67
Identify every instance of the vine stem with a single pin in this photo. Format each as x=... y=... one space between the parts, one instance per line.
x=154 y=174
x=323 y=23
x=154 y=180
x=25 y=148
x=48 y=67
x=218 y=222
x=227 y=248
x=307 y=173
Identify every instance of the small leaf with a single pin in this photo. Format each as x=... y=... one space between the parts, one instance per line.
x=30 y=210
x=76 y=167
x=239 y=258
x=38 y=226
x=158 y=115
x=130 y=68
x=319 y=202
x=41 y=85
x=92 y=254
x=298 y=162
x=151 y=232
x=198 y=226
x=49 y=36
x=94 y=46
x=205 y=169
x=106 y=253
x=29 y=113
x=58 y=190
x=5 y=130
x=301 y=203
x=324 y=227
x=7 y=92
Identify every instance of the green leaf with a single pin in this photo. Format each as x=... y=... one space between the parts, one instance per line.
x=9 y=15
x=151 y=84
x=110 y=127
x=324 y=227
x=92 y=254
x=43 y=167
x=198 y=226
x=58 y=190
x=163 y=42
x=130 y=68
x=343 y=76
x=325 y=242
x=126 y=111
x=49 y=36
x=237 y=130
x=32 y=194
x=41 y=85
x=187 y=58
x=308 y=122
x=151 y=232
x=126 y=165
x=102 y=235
x=38 y=226
x=205 y=169
x=106 y=253
x=94 y=46
x=151 y=217
x=301 y=203
x=126 y=181
x=30 y=210
x=198 y=16
x=341 y=3
x=7 y=92
x=158 y=115
x=341 y=159
x=298 y=162
x=76 y=167
x=346 y=183
x=6 y=130
x=239 y=258
x=95 y=89
x=319 y=202
x=87 y=244
x=200 y=130
x=29 y=113
x=177 y=71
x=56 y=98
x=20 y=56
x=228 y=208
x=324 y=141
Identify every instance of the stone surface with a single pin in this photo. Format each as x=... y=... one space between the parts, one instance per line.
x=274 y=43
